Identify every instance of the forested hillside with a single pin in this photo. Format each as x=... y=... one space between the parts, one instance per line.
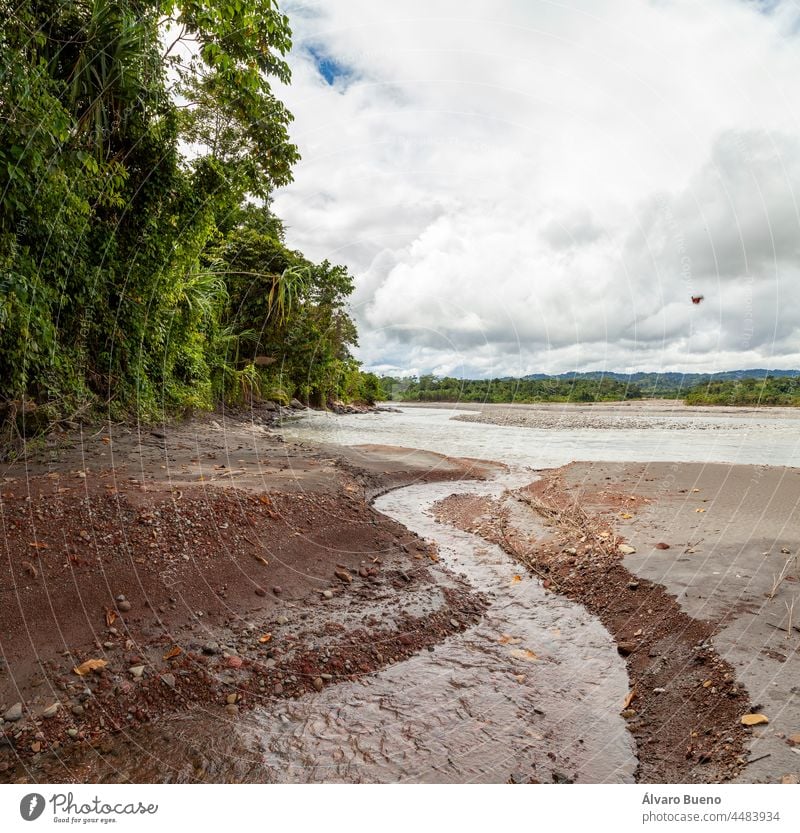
x=142 y=271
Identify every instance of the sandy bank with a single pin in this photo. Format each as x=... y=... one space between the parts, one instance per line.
x=208 y=565
x=700 y=610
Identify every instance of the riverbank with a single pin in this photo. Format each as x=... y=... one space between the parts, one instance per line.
x=208 y=565
x=693 y=569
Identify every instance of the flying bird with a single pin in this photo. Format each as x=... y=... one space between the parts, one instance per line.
x=697 y=298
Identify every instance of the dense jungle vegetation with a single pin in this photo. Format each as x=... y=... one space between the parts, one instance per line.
x=142 y=271
x=695 y=389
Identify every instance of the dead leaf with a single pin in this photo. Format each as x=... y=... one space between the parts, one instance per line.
x=707 y=684
x=626 y=515
x=754 y=719
x=699 y=510
x=39 y=545
x=90 y=665
x=524 y=653
x=507 y=639
x=629 y=699
x=173 y=652
x=265 y=638
x=106 y=440
x=262 y=560
x=111 y=617
x=516 y=579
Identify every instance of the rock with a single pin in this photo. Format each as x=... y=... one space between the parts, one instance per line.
x=343 y=575
x=791 y=778
x=168 y=680
x=51 y=711
x=633 y=585
x=260 y=591
x=326 y=677
x=571 y=551
x=560 y=778
x=277 y=590
x=626 y=648
x=297 y=405
x=136 y=671
x=662 y=546
x=124 y=606
x=269 y=406
x=659 y=690
x=327 y=594
x=628 y=713
x=233 y=662
x=455 y=623
x=120 y=598
x=277 y=688
x=318 y=684
x=14 y=713
x=211 y=648
x=73 y=733
x=794 y=740
x=626 y=549
x=77 y=710
x=283 y=620
x=232 y=709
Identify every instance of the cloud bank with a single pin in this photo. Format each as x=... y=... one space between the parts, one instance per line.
x=538 y=186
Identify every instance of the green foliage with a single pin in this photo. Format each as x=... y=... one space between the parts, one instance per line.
x=133 y=278
x=448 y=389
x=771 y=390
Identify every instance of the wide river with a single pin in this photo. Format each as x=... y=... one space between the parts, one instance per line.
x=699 y=435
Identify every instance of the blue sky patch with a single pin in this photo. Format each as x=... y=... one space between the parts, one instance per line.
x=327 y=66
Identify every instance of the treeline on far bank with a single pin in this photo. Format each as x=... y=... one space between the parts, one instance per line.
x=766 y=390
x=142 y=270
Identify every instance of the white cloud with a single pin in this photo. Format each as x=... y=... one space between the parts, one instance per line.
x=527 y=186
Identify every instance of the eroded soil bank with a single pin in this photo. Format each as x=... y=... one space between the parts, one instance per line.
x=699 y=599
x=207 y=566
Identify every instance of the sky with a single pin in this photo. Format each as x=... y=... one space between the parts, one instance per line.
x=522 y=186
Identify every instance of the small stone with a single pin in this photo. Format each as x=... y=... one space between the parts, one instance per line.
x=260 y=591
x=73 y=733
x=233 y=662
x=14 y=713
x=136 y=671
x=628 y=713
x=124 y=606
x=326 y=677
x=232 y=709
x=36 y=746
x=51 y=711
x=168 y=680
x=77 y=710
x=633 y=585
x=343 y=575
x=327 y=594
x=791 y=778
x=626 y=549
x=659 y=690
x=108 y=645
x=282 y=620
x=662 y=546
x=121 y=597
x=278 y=688
x=318 y=684
x=231 y=698
x=277 y=590
x=455 y=623
x=211 y=648
x=626 y=648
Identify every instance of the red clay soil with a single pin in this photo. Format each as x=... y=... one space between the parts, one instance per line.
x=198 y=594
x=685 y=706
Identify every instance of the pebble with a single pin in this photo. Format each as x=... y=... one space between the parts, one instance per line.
x=231 y=698
x=14 y=713
x=51 y=711
x=318 y=684
x=232 y=709
x=633 y=585
x=327 y=594
x=108 y=645
x=659 y=690
x=282 y=620
x=626 y=549
x=73 y=733
x=136 y=671
x=210 y=648
x=77 y=710
x=124 y=606
x=168 y=679
x=260 y=591
x=277 y=688
x=277 y=590
x=326 y=677
x=455 y=623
